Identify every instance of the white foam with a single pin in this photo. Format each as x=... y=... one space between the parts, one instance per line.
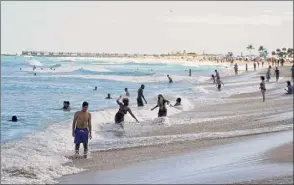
x=34 y=62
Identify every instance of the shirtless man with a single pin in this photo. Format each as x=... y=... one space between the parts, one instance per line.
x=141 y=96
x=82 y=128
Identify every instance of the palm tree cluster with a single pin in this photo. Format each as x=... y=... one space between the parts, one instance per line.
x=282 y=53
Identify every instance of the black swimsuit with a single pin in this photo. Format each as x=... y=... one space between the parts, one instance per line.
x=119 y=117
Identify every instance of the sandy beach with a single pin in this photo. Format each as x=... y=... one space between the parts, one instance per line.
x=242 y=115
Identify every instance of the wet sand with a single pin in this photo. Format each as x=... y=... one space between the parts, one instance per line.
x=243 y=111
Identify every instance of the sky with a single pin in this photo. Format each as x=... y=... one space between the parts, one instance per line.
x=145 y=27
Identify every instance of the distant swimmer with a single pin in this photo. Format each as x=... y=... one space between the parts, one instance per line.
x=108 y=96
x=219 y=84
x=190 y=72
x=34 y=68
x=35 y=74
x=254 y=65
x=213 y=78
x=246 y=67
x=262 y=88
x=170 y=79
x=277 y=73
x=141 y=96
x=95 y=89
x=178 y=102
x=236 y=68
x=19 y=68
x=122 y=111
x=82 y=128
x=14 y=119
x=217 y=74
x=289 y=89
x=127 y=92
x=66 y=105
x=41 y=68
x=161 y=103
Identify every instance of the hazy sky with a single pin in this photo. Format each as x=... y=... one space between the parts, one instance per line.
x=145 y=27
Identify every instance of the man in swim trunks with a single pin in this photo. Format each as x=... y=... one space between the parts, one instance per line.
x=82 y=128
x=170 y=79
x=141 y=96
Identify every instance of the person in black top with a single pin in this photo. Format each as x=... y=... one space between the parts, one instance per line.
x=277 y=72
x=161 y=104
x=141 y=96
x=122 y=111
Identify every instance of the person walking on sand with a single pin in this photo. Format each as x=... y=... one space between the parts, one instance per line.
x=161 y=103
x=277 y=73
x=268 y=76
x=141 y=96
x=122 y=111
x=82 y=128
x=246 y=67
x=262 y=88
x=236 y=68
x=254 y=65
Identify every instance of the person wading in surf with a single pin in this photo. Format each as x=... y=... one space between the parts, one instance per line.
x=161 y=104
x=82 y=128
x=141 y=96
x=122 y=111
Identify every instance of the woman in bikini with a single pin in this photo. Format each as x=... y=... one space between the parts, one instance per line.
x=122 y=111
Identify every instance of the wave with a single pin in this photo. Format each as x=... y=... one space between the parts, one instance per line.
x=86 y=71
x=34 y=62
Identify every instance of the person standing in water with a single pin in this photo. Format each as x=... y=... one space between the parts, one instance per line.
x=246 y=67
x=268 y=74
x=95 y=89
x=108 y=96
x=190 y=72
x=236 y=68
x=217 y=74
x=82 y=128
x=254 y=65
x=127 y=92
x=161 y=103
x=170 y=79
x=122 y=111
x=277 y=73
x=213 y=78
x=141 y=96
x=262 y=88
x=178 y=102
x=219 y=84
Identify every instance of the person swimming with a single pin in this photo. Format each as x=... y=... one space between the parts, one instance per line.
x=170 y=79
x=66 y=105
x=178 y=102
x=35 y=74
x=14 y=119
x=95 y=89
x=127 y=92
x=122 y=111
x=108 y=96
x=162 y=112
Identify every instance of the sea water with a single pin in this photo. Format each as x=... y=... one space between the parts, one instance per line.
x=34 y=148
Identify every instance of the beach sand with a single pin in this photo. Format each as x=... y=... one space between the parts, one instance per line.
x=244 y=111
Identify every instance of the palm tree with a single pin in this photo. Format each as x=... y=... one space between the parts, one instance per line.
x=290 y=52
x=261 y=49
x=249 y=48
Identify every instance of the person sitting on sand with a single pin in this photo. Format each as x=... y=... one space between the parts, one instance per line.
x=262 y=88
x=219 y=84
x=95 y=89
x=108 y=96
x=82 y=128
x=127 y=92
x=66 y=105
x=122 y=111
x=13 y=119
x=170 y=79
x=161 y=104
x=289 y=89
x=213 y=78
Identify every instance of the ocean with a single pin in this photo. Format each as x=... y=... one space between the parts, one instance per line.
x=34 y=148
